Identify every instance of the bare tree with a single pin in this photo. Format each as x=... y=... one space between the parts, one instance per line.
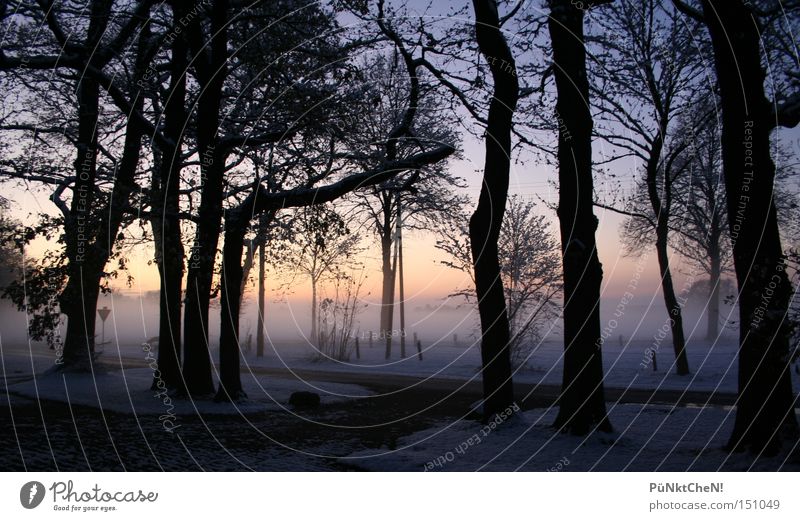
x=338 y=163
x=426 y=198
x=582 y=403
x=647 y=71
x=765 y=415
x=318 y=246
x=702 y=216
x=530 y=269
x=337 y=313
x=486 y=221
x=260 y=201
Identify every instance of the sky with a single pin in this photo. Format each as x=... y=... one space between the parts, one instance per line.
x=428 y=282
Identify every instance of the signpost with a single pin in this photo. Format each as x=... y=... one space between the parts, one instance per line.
x=103 y=312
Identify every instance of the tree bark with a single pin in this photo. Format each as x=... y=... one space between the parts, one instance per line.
x=260 y=333
x=388 y=272
x=230 y=384
x=166 y=225
x=485 y=223
x=314 y=329
x=210 y=64
x=672 y=304
x=765 y=415
x=662 y=211
x=715 y=276
x=582 y=401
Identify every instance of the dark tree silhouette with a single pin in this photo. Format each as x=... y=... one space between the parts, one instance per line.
x=765 y=416
x=426 y=198
x=702 y=218
x=91 y=223
x=486 y=222
x=210 y=63
x=165 y=208
x=647 y=70
x=530 y=264
x=582 y=401
x=241 y=68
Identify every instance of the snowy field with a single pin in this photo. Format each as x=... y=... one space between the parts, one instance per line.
x=713 y=365
x=645 y=438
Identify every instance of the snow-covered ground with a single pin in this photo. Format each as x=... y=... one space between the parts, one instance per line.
x=128 y=392
x=713 y=365
x=645 y=438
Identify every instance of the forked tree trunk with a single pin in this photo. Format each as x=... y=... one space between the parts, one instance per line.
x=90 y=236
x=582 y=401
x=485 y=223
x=765 y=415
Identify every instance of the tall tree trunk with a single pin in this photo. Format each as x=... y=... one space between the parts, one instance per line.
x=662 y=210
x=402 y=302
x=79 y=303
x=257 y=243
x=166 y=225
x=260 y=333
x=715 y=276
x=210 y=65
x=582 y=402
x=485 y=223
x=765 y=414
x=671 y=302
x=79 y=298
x=169 y=302
x=230 y=384
x=314 y=328
x=388 y=272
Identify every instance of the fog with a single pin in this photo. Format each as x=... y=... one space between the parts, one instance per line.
x=134 y=320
